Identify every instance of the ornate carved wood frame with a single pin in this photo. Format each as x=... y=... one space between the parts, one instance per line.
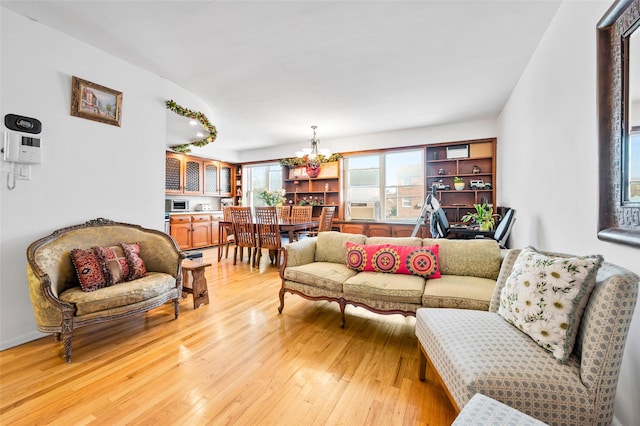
x=618 y=221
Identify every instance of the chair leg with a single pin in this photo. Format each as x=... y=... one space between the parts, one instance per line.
x=235 y=254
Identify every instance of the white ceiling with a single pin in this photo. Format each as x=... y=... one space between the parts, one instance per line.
x=270 y=69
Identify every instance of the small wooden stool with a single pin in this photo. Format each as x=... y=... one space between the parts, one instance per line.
x=199 y=285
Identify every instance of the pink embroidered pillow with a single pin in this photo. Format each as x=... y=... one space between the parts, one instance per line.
x=410 y=260
x=132 y=253
x=89 y=266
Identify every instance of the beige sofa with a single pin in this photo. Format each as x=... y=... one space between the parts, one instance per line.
x=60 y=305
x=316 y=269
x=480 y=352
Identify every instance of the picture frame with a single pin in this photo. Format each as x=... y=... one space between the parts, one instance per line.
x=95 y=102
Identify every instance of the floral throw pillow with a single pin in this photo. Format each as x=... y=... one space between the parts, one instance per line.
x=545 y=296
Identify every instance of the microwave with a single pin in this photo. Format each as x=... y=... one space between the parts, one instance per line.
x=176 y=205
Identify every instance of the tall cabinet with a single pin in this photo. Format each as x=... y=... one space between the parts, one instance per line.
x=474 y=162
x=317 y=192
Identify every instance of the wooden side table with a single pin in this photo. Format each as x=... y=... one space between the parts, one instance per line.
x=199 y=285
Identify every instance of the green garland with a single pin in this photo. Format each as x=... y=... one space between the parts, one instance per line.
x=196 y=115
x=296 y=161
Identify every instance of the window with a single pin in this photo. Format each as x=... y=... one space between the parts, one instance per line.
x=393 y=181
x=261 y=177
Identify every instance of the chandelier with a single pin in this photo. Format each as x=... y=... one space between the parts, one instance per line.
x=313 y=152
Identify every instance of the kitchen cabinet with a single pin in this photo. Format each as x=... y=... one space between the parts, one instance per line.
x=194 y=230
x=378 y=229
x=201 y=231
x=189 y=175
x=217 y=178
x=180 y=230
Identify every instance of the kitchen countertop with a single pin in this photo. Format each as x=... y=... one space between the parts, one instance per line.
x=216 y=213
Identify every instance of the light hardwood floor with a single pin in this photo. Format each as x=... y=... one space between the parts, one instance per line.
x=234 y=361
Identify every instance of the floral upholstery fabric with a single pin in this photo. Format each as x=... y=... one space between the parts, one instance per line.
x=388 y=287
x=476 y=351
x=475 y=258
x=545 y=296
x=463 y=292
x=484 y=411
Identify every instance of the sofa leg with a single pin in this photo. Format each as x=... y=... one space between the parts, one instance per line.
x=66 y=347
x=281 y=294
x=176 y=308
x=343 y=305
x=422 y=372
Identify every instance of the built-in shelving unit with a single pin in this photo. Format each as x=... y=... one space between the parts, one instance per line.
x=473 y=161
x=318 y=192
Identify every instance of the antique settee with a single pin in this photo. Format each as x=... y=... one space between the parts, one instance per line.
x=316 y=269
x=567 y=377
x=60 y=303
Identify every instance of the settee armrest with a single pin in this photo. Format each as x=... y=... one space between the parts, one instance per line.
x=299 y=252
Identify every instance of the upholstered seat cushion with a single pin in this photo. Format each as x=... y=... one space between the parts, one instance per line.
x=458 y=291
x=484 y=411
x=480 y=352
x=327 y=275
x=123 y=294
x=389 y=287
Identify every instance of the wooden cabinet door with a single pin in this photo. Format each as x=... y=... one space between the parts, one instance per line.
x=181 y=232
x=354 y=228
x=379 y=230
x=404 y=231
x=226 y=177
x=211 y=177
x=200 y=234
x=214 y=231
x=193 y=176
x=173 y=181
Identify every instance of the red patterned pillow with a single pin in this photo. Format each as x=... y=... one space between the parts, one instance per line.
x=116 y=262
x=90 y=268
x=422 y=261
x=136 y=265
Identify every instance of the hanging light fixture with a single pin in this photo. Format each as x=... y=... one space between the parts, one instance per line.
x=313 y=152
x=312 y=155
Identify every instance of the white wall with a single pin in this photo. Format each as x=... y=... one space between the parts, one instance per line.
x=548 y=162
x=89 y=169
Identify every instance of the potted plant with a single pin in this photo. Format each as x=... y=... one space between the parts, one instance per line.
x=458 y=183
x=483 y=216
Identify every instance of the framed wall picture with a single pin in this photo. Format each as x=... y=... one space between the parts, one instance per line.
x=95 y=102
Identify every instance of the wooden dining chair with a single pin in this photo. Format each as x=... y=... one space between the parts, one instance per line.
x=227 y=237
x=284 y=212
x=326 y=221
x=301 y=214
x=268 y=233
x=244 y=233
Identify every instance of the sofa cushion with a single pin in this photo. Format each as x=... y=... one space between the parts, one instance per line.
x=397 y=259
x=331 y=246
x=116 y=262
x=326 y=275
x=127 y=293
x=399 y=241
x=474 y=258
x=391 y=287
x=545 y=296
x=453 y=291
x=475 y=351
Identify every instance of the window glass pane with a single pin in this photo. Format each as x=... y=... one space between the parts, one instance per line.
x=260 y=178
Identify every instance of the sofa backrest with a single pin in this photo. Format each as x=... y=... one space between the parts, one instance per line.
x=603 y=329
x=475 y=258
x=332 y=246
x=399 y=241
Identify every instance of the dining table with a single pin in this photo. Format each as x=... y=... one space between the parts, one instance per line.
x=285 y=225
